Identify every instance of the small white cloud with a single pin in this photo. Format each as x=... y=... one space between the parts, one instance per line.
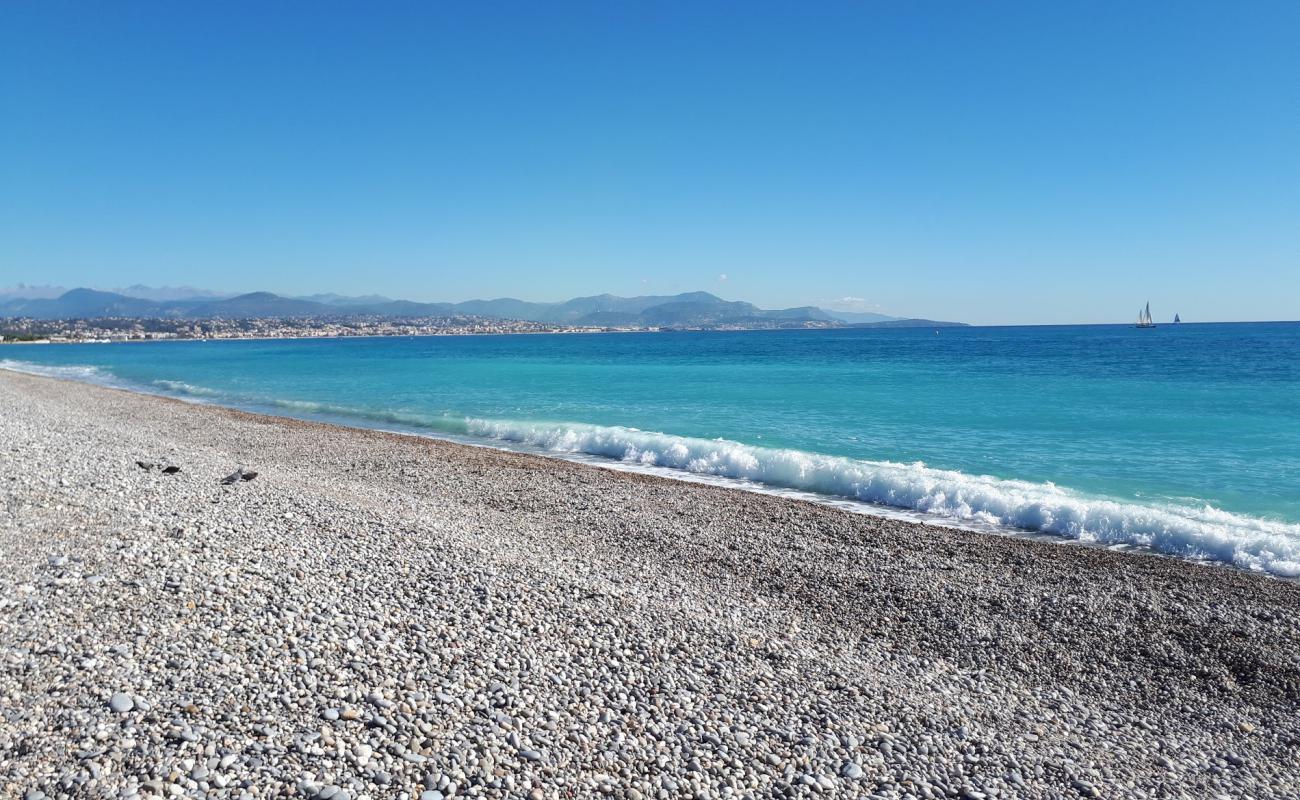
x=722 y=278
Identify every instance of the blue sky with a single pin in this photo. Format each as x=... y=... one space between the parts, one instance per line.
x=988 y=162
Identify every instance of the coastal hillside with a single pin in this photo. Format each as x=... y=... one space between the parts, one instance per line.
x=688 y=310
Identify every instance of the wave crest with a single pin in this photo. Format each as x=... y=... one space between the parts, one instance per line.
x=188 y=389
x=73 y=372
x=1184 y=531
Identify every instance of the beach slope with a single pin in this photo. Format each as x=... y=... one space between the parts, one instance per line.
x=377 y=615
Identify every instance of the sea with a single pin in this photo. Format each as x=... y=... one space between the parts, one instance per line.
x=1181 y=439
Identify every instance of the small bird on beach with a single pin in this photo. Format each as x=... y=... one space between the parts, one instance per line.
x=240 y=474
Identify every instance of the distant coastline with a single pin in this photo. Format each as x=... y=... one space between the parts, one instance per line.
x=92 y=316
x=689 y=310
x=65 y=338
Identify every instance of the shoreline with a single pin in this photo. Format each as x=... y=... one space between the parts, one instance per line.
x=839 y=503
x=851 y=504
x=384 y=613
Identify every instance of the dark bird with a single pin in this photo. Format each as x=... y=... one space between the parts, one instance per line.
x=240 y=474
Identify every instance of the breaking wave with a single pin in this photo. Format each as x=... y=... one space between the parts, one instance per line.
x=1186 y=530
x=1202 y=533
x=182 y=388
x=72 y=372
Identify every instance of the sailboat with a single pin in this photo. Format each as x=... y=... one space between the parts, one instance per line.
x=1176 y=319
x=1144 y=317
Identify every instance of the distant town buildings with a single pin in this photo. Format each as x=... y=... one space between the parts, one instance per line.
x=121 y=329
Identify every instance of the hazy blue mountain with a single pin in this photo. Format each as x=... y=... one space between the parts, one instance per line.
x=331 y=299
x=506 y=308
x=171 y=293
x=853 y=317
x=82 y=303
x=260 y=304
x=405 y=308
x=910 y=323
x=690 y=309
x=23 y=291
x=715 y=311
x=579 y=309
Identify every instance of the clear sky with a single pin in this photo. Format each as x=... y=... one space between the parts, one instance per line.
x=988 y=162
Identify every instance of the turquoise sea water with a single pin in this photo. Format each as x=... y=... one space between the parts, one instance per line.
x=1182 y=438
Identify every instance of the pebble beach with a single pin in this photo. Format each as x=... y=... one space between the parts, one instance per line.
x=385 y=616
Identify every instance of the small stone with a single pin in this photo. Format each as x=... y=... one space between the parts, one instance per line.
x=121 y=703
x=378 y=700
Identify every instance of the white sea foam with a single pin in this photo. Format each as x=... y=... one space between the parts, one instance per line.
x=1186 y=531
x=188 y=389
x=72 y=372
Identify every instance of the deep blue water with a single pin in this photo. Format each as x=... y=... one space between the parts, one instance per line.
x=1182 y=438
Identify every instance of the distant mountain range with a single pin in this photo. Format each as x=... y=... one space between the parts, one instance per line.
x=692 y=309
x=28 y=292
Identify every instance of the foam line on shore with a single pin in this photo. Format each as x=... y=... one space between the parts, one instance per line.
x=1184 y=531
x=1198 y=532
